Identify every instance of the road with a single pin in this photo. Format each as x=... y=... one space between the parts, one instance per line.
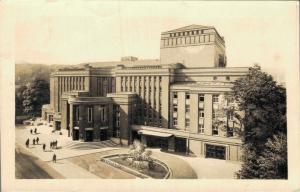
x=30 y=167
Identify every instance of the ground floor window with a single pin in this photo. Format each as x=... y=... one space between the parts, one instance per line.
x=215 y=151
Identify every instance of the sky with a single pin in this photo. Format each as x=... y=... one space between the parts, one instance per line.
x=72 y=32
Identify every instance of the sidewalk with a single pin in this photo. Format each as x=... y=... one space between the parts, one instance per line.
x=66 y=149
x=67 y=169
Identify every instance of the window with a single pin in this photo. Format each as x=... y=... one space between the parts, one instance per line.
x=230 y=132
x=187 y=96
x=90 y=114
x=215 y=130
x=187 y=123
x=187 y=108
x=228 y=78
x=174 y=121
x=201 y=128
x=215 y=77
x=175 y=95
x=201 y=113
x=76 y=109
x=201 y=98
x=214 y=115
x=175 y=107
x=215 y=98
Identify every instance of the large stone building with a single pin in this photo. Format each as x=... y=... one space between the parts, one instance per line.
x=175 y=103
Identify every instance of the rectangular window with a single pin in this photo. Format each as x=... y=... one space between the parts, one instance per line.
x=175 y=121
x=76 y=113
x=187 y=123
x=230 y=132
x=201 y=128
x=187 y=96
x=175 y=95
x=175 y=108
x=201 y=113
x=90 y=114
x=228 y=78
x=215 y=130
x=187 y=108
x=201 y=98
x=215 y=98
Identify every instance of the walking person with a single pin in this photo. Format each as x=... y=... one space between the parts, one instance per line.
x=35 y=130
x=30 y=131
x=55 y=144
x=33 y=141
x=27 y=143
x=54 y=158
x=44 y=147
x=37 y=140
x=51 y=145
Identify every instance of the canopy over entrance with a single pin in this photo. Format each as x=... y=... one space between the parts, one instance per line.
x=153 y=133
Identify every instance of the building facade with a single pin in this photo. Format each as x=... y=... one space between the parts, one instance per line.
x=181 y=102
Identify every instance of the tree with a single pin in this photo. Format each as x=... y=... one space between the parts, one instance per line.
x=19 y=99
x=263 y=102
x=34 y=96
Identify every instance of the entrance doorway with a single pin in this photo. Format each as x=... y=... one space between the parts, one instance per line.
x=180 y=145
x=215 y=151
x=57 y=125
x=103 y=134
x=157 y=142
x=75 y=134
x=89 y=135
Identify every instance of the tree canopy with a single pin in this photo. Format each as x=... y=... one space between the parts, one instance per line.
x=263 y=102
x=34 y=96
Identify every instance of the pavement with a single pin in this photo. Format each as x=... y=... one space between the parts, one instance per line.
x=76 y=159
x=66 y=149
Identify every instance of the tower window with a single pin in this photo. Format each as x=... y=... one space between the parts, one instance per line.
x=201 y=98
x=215 y=77
x=187 y=96
x=228 y=78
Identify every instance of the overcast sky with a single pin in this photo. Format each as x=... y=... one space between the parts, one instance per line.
x=71 y=33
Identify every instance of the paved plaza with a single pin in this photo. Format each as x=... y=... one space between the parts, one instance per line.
x=76 y=159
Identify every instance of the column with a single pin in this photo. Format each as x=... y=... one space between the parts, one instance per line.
x=208 y=114
x=194 y=114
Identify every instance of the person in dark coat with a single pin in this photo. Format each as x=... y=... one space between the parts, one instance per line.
x=44 y=147
x=51 y=145
x=55 y=143
x=37 y=140
x=54 y=158
x=27 y=143
x=30 y=131
x=33 y=141
x=35 y=130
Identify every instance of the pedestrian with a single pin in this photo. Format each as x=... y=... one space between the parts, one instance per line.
x=27 y=143
x=30 y=131
x=33 y=141
x=37 y=140
x=51 y=145
x=54 y=158
x=34 y=130
x=44 y=147
x=55 y=144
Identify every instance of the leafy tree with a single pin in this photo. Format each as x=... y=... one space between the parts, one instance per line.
x=19 y=99
x=35 y=95
x=263 y=102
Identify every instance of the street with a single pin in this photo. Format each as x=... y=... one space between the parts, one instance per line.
x=30 y=167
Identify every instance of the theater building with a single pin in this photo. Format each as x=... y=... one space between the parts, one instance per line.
x=174 y=103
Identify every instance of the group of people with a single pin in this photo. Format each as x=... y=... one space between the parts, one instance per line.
x=35 y=131
x=34 y=141
x=53 y=144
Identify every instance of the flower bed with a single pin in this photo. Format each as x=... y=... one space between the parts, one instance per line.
x=157 y=171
